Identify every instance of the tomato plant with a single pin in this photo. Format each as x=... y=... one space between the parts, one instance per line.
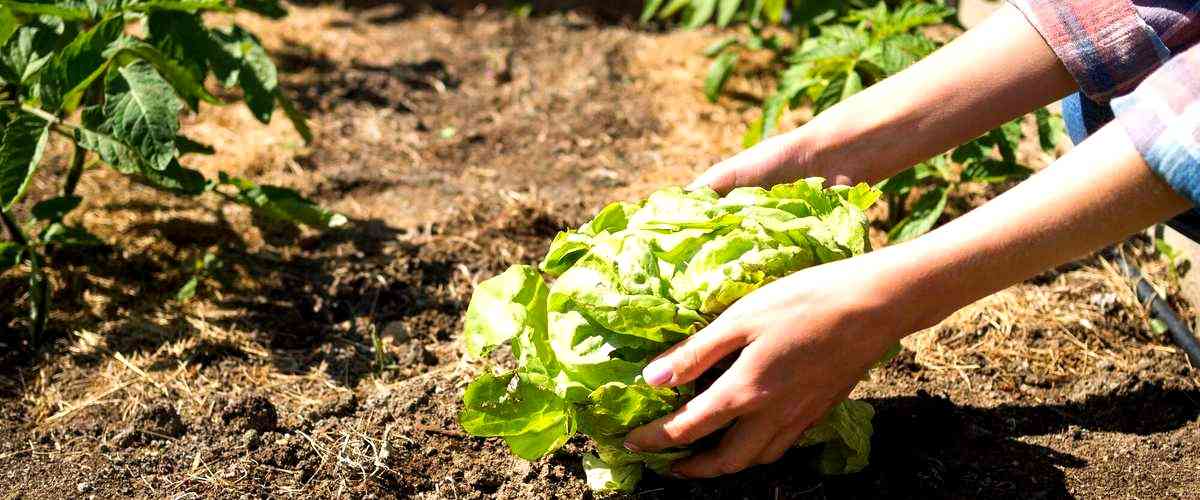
x=112 y=78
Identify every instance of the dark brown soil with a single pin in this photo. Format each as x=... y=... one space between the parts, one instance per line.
x=459 y=140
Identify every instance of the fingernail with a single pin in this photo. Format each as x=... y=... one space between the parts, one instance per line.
x=694 y=186
x=657 y=373
x=632 y=447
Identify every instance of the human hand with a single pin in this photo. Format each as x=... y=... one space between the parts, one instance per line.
x=805 y=341
x=779 y=159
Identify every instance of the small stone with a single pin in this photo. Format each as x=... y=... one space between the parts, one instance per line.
x=395 y=332
x=250 y=439
x=83 y=487
x=603 y=177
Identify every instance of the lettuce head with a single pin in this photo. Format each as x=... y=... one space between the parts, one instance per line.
x=627 y=285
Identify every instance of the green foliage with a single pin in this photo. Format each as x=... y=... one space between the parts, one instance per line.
x=846 y=49
x=635 y=280
x=989 y=159
x=696 y=13
x=1173 y=256
x=845 y=55
x=130 y=67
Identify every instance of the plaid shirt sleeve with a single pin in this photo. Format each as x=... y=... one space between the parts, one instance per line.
x=1162 y=117
x=1105 y=44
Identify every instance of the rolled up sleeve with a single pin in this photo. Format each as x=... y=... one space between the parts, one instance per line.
x=1162 y=117
x=1105 y=44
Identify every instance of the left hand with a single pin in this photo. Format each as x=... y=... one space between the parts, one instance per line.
x=806 y=340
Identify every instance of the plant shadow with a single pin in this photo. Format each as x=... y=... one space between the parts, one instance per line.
x=927 y=446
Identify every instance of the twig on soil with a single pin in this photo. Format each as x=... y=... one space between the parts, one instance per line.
x=11 y=454
x=88 y=402
x=121 y=357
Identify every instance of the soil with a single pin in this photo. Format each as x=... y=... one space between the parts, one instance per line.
x=459 y=140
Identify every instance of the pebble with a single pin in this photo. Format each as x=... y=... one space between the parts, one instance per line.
x=83 y=487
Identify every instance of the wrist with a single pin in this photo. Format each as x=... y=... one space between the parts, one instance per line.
x=857 y=141
x=915 y=287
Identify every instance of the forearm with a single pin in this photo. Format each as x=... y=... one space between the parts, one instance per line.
x=993 y=73
x=1100 y=192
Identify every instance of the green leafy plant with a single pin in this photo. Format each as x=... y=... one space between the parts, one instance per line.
x=112 y=79
x=696 y=13
x=1175 y=259
x=990 y=159
x=628 y=285
x=852 y=51
x=846 y=55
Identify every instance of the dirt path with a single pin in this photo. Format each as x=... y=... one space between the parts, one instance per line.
x=459 y=143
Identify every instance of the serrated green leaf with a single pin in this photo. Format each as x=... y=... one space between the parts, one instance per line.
x=54 y=209
x=299 y=121
x=718 y=74
x=1158 y=326
x=189 y=6
x=993 y=171
x=719 y=46
x=65 y=10
x=64 y=235
x=701 y=12
x=925 y=214
x=142 y=111
x=174 y=178
x=839 y=88
x=182 y=78
x=188 y=290
x=27 y=52
x=182 y=38
x=10 y=255
x=22 y=141
x=268 y=8
x=8 y=24
x=773 y=9
x=894 y=54
x=673 y=8
x=247 y=64
x=754 y=132
x=91 y=136
x=649 y=9
x=1007 y=139
x=1050 y=129
x=77 y=65
x=900 y=184
x=726 y=10
x=792 y=83
x=284 y=204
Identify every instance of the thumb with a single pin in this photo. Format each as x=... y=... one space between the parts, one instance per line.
x=687 y=360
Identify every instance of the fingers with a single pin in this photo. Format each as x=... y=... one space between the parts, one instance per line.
x=721 y=177
x=697 y=418
x=764 y=164
x=792 y=433
x=685 y=361
x=783 y=442
x=739 y=449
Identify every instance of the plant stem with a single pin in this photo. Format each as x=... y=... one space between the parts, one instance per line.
x=75 y=172
x=41 y=114
x=14 y=231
